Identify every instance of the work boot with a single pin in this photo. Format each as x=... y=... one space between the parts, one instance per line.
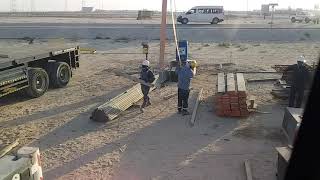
x=185 y=113
x=141 y=110
x=148 y=104
x=179 y=111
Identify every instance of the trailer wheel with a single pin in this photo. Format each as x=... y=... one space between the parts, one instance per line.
x=38 y=82
x=60 y=74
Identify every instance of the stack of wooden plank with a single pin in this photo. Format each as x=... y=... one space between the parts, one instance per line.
x=231 y=98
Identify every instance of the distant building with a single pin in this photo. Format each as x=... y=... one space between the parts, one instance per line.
x=265 y=10
x=87 y=9
x=145 y=14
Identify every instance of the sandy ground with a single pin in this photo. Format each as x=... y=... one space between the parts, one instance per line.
x=158 y=144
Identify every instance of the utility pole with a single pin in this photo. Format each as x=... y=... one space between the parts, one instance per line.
x=163 y=34
x=13 y=6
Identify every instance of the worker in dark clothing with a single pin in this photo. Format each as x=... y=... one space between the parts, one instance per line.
x=147 y=76
x=301 y=77
x=185 y=74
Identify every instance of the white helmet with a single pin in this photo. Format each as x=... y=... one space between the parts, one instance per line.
x=302 y=59
x=146 y=63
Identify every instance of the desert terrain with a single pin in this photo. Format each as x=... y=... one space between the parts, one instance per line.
x=158 y=144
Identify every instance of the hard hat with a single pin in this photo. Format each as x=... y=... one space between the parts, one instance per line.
x=302 y=59
x=146 y=63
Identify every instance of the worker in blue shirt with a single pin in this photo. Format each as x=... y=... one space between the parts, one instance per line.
x=185 y=74
x=147 y=76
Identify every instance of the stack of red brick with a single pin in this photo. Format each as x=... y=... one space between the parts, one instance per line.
x=231 y=98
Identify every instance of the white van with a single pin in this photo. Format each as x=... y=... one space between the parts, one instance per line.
x=210 y=14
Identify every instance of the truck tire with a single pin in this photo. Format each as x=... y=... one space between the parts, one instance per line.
x=307 y=20
x=185 y=21
x=215 y=21
x=60 y=74
x=38 y=82
x=293 y=20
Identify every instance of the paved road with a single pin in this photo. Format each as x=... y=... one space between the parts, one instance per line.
x=192 y=32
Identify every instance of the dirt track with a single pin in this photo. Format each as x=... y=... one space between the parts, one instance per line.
x=158 y=144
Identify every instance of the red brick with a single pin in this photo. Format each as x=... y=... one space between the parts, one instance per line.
x=227 y=113
x=235 y=108
x=223 y=106
x=234 y=104
x=235 y=113
x=234 y=100
x=225 y=102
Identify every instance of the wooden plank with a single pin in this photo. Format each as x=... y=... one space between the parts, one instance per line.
x=195 y=109
x=221 y=83
x=8 y=148
x=248 y=170
x=262 y=80
x=231 y=87
x=285 y=152
x=135 y=79
x=241 y=84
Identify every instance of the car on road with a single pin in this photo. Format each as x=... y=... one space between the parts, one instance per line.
x=209 y=14
x=304 y=16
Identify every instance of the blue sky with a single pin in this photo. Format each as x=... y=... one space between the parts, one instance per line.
x=48 y=5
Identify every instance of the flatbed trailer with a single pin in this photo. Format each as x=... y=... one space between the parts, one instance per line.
x=34 y=68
